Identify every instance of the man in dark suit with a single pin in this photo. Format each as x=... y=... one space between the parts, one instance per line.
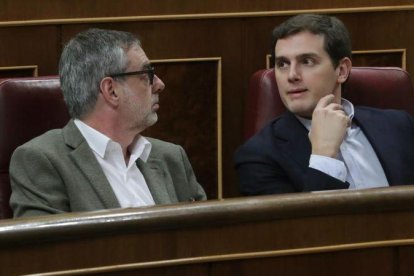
x=99 y=160
x=323 y=142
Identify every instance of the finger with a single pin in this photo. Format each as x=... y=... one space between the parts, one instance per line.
x=325 y=101
x=345 y=118
x=335 y=106
x=349 y=123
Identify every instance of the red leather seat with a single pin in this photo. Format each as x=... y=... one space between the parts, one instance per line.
x=28 y=108
x=382 y=87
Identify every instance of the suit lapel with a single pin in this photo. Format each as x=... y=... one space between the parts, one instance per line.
x=380 y=139
x=157 y=180
x=86 y=161
x=293 y=139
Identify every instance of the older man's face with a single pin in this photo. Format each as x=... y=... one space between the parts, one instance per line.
x=140 y=99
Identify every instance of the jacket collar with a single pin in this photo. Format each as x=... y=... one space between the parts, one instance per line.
x=86 y=162
x=158 y=180
x=291 y=133
x=154 y=171
x=378 y=136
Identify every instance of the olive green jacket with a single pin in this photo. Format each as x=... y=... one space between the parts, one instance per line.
x=58 y=172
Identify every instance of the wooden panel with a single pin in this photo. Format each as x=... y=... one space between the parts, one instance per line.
x=52 y=9
x=188 y=115
x=355 y=262
x=360 y=232
x=406 y=258
x=18 y=71
x=30 y=45
x=180 y=270
x=380 y=58
x=374 y=32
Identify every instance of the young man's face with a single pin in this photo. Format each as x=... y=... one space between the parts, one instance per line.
x=305 y=73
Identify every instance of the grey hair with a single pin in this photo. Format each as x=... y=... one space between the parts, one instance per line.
x=89 y=57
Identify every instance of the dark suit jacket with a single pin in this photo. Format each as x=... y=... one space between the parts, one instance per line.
x=276 y=160
x=58 y=172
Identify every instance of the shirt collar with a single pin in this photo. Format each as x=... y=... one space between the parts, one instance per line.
x=141 y=148
x=348 y=108
x=98 y=142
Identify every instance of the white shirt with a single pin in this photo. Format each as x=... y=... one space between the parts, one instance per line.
x=127 y=181
x=357 y=162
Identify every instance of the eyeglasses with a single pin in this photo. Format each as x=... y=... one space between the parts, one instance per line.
x=150 y=72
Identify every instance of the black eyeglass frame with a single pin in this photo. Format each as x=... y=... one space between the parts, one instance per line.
x=150 y=72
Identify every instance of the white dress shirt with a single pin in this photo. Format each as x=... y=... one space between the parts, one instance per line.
x=126 y=180
x=357 y=161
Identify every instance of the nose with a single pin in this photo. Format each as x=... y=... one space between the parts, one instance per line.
x=158 y=85
x=294 y=74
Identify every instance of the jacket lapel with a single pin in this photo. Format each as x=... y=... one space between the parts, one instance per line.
x=293 y=139
x=158 y=180
x=86 y=161
x=377 y=134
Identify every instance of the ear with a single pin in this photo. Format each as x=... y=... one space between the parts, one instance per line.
x=108 y=91
x=344 y=68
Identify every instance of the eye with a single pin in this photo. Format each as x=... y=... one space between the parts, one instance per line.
x=281 y=64
x=308 y=61
x=144 y=76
